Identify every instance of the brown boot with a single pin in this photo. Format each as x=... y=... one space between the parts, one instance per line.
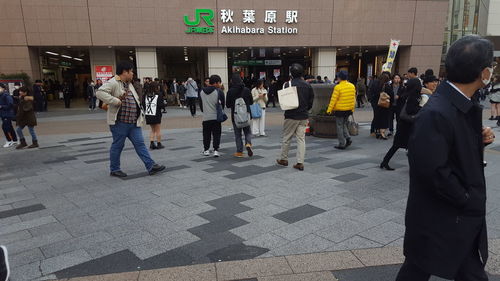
x=299 y=166
x=282 y=162
x=34 y=145
x=22 y=144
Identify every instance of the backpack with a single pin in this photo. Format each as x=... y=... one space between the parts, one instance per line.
x=241 y=115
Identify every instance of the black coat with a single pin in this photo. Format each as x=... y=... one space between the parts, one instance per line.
x=381 y=114
x=404 y=128
x=306 y=98
x=445 y=215
x=235 y=92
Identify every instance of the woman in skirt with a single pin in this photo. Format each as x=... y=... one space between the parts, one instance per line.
x=153 y=105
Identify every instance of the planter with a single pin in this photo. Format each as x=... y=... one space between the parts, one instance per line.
x=323 y=126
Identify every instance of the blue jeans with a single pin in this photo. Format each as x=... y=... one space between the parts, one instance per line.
x=92 y=102
x=120 y=132
x=19 y=131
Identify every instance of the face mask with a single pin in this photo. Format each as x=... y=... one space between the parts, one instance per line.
x=17 y=87
x=487 y=81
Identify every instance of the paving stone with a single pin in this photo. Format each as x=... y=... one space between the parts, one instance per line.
x=26 y=225
x=292 y=232
x=349 y=177
x=218 y=226
x=267 y=240
x=254 y=229
x=235 y=198
x=16 y=199
x=332 y=202
x=69 y=245
x=234 y=270
x=368 y=204
x=299 y=213
x=310 y=243
x=384 y=233
x=37 y=242
x=323 y=261
x=25 y=258
x=26 y=272
x=343 y=230
x=376 y=217
x=355 y=242
x=13 y=237
x=64 y=261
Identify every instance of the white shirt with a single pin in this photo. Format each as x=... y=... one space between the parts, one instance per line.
x=456 y=88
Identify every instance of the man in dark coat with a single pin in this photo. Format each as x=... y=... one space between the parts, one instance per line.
x=445 y=216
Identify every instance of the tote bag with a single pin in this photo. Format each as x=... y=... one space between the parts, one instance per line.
x=256 y=111
x=352 y=126
x=288 y=97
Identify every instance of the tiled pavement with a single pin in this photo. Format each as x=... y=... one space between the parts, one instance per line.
x=62 y=216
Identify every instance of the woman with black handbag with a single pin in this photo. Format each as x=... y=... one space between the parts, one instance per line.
x=410 y=101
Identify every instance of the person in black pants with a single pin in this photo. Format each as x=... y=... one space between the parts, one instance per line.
x=411 y=97
x=211 y=97
x=273 y=92
x=66 y=94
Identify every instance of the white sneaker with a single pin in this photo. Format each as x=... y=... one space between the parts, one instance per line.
x=216 y=153
x=206 y=153
x=7 y=144
x=185 y=107
x=13 y=143
x=180 y=106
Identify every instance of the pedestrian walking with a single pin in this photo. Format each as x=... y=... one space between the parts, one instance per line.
x=91 y=90
x=273 y=93
x=39 y=96
x=445 y=214
x=397 y=90
x=153 y=105
x=67 y=94
x=360 y=91
x=296 y=119
x=7 y=114
x=495 y=99
x=192 y=95
x=381 y=110
x=239 y=99
x=409 y=99
x=259 y=95
x=211 y=97
x=342 y=105
x=125 y=118
x=26 y=117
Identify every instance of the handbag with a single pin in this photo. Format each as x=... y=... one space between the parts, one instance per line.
x=352 y=126
x=384 y=100
x=403 y=115
x=288 y=97
x=221 y=115
x=256 y=111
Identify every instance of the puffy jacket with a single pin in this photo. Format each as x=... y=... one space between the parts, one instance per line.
x=6 y=105
x=343 y=97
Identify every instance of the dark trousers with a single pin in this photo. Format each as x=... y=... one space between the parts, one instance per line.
x=271 y=99
x=392 y=116
x=472 y=269
x=8 y=129
x=192 y=105
x=67 y=102
x=359 y=99
x=211 y=129
x=390 y=153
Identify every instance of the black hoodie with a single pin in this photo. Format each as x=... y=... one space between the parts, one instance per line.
x=237 y=90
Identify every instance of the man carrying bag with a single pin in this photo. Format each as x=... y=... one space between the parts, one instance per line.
x=295 y=118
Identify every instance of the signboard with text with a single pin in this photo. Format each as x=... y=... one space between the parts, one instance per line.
x=103 y=72
x=242 y=22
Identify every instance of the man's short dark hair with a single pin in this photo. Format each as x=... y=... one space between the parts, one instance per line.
x=413 y=70
x=24 y=89
x=214 y=79
x=467 y=58
x=123 y=66
x=318 y=77
x=296 y=70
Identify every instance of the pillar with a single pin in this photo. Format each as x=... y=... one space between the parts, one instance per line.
x=217 y=64
x=101 y=56
x=421 y=57
x=324 y=62
x=147 y=63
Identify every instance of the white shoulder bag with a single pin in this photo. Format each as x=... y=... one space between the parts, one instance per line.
x=288 y=97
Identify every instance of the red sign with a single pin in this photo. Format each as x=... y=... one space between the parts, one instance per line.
x=103 y=72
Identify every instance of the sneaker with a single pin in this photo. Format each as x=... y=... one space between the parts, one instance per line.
x=118 y=174
x=185 y=106
x=7 y=144
x=492 y=118
x=180 y=106
x=348 y=143
x=216 y=153
x=249 y=150
x=4 y=264
x=238 y=154
x=156 y=168
x=262 y=135
x=13 y=143
x=206 y=153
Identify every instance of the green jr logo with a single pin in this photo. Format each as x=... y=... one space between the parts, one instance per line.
x=207 y=15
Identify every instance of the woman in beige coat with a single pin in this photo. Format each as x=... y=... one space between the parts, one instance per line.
x=259 y=95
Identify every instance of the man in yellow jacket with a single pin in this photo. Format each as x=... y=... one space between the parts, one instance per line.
x=342 y=104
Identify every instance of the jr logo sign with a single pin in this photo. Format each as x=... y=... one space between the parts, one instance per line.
x=193 y=25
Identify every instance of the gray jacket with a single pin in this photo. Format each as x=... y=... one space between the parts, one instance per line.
x=191 y=89
x=210 y=97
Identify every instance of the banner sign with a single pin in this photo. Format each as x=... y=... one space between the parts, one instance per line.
x=393 y=49
x=103 y=72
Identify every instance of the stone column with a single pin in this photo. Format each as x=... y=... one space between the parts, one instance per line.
x=102 y=56
x=217 y=64
x=147 y=63
x=324 y=62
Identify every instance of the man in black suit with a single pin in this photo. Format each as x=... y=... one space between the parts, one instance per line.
x=445 y=215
